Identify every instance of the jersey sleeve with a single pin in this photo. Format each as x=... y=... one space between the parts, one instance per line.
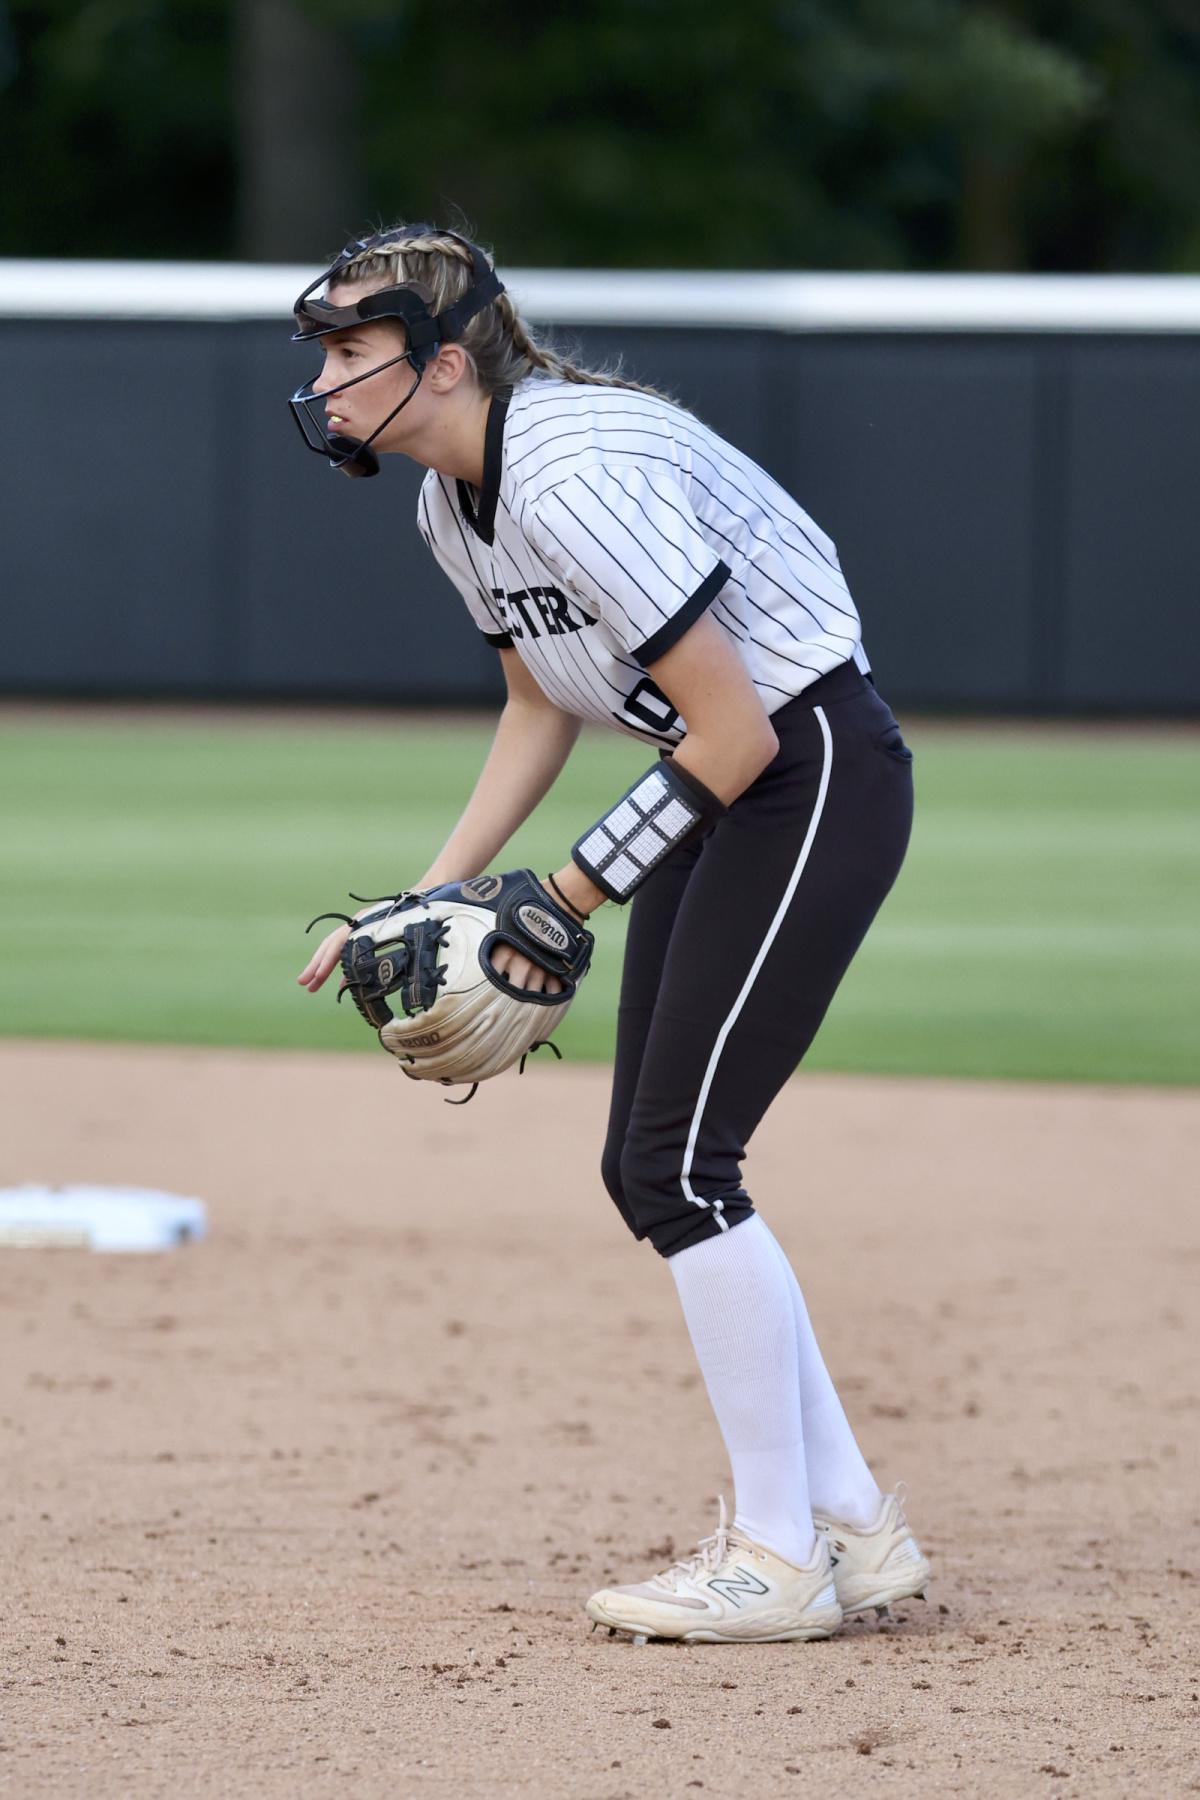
x=444 y=533
x=627 y=539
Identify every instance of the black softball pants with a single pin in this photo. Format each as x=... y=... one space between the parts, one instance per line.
x=735 y=949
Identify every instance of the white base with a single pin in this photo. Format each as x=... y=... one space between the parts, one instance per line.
x=97 y=1218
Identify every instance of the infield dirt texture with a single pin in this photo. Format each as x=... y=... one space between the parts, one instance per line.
x=312 y=1508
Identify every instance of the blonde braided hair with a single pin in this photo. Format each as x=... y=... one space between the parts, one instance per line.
x=499 y=343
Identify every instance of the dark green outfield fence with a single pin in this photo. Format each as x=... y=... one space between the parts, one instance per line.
x=1009 y=468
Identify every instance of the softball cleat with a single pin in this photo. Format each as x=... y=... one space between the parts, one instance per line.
x=732 y=1591
x=874 y=1564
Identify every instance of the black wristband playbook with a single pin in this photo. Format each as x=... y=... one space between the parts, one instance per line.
x=662 y=809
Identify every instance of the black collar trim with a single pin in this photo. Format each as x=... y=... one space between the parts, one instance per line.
x=482 y=518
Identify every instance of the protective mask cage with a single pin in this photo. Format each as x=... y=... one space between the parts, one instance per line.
x=411 y=303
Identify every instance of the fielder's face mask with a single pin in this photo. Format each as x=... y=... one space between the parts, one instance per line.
x=412 y=303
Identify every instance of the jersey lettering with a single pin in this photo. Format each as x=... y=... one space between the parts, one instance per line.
x=543 y=611
x=563 y=619
x=519 y=600
x=553 y=611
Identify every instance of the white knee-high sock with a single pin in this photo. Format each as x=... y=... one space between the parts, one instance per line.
x=739 y=1311
x=841 y=1485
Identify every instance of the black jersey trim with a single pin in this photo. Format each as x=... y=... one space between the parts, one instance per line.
x=499 y=640
x=482 y=518
x=688 y=613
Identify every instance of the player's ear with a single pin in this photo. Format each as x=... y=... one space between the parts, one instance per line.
x=449 y=367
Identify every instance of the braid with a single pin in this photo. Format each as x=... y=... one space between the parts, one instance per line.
x=369 y=264
x=430 y=245
x=498 y=341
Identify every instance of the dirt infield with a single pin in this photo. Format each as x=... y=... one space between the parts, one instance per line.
x=313 y=1507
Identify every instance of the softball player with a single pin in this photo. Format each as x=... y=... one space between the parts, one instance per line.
x=633 y=569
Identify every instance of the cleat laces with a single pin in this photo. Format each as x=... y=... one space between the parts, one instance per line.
x=706 y=1559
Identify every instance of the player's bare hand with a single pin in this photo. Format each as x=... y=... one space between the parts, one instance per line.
x=324 y=960
x=519 y=972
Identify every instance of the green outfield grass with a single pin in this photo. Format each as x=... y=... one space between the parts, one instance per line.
x=158 y=875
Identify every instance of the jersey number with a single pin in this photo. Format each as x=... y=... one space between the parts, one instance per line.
x=649 y=707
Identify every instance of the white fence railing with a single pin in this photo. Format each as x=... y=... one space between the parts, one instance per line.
x=763 y=301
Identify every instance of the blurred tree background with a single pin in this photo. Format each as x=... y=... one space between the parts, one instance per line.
x=821 y=134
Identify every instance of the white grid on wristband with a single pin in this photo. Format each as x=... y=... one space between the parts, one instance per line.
x=634 y=837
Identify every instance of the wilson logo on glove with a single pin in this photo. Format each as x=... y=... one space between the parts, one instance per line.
x=483 y=887
x=452 y=1017
x=548 y=930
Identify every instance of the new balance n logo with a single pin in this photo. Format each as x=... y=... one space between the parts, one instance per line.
x=741 y=1582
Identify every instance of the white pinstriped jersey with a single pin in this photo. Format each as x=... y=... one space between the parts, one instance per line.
x=608 y=521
